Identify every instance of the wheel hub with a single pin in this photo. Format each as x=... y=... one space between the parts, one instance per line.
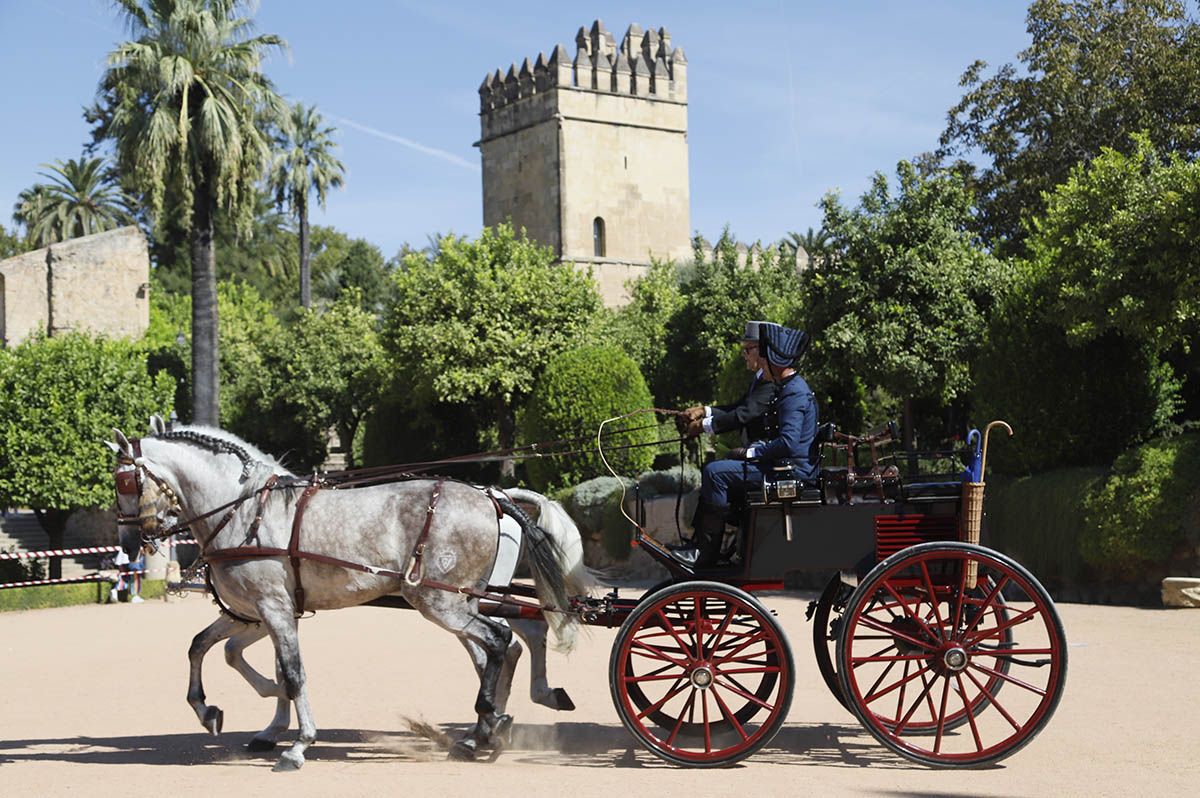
x=701 y=677
x=955 y=659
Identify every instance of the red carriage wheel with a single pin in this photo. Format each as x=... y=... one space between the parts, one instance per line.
x=827 y=615
x=921 y=655
x=701 y=674
x=827 y=619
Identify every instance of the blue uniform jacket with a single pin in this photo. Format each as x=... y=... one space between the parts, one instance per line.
x=792 y=418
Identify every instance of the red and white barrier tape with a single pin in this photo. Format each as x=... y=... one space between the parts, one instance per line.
x=63 y=581
x=27 y=555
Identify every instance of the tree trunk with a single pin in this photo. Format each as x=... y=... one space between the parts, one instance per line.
x=507 y=423
x=54 y=523
x=206 y=387
x=305 y=276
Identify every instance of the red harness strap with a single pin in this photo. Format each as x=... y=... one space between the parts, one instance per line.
x=294 y=553
x=413 y=575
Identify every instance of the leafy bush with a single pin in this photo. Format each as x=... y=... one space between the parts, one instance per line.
x=1069 y=405
x=20 y=570
x=595 y=505
x=1139 y=515
x=579 y=389
x=59 y=400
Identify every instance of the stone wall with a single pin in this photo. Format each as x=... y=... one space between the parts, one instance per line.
x=565 y=141
x=98 y=283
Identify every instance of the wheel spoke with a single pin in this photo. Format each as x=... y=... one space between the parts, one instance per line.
x=880 y=627
x=856 y=661
x=682 y=645
x=933 y=601
x=1012 y=679
x=941 y=718
x=730 y=716
x=715 y=641
x=751 y=640
x=650 y=651
x=962 y=693
x=691 y=702
x=657 y=705
x=744 y=694
x=707 y=728
x=983 y=689
x=697 y=633
x=911 y=614
x=1001 y=627
x=873 y=696
x=764 y=669
x=908 y=716
x=985 y=604
x=882 y=676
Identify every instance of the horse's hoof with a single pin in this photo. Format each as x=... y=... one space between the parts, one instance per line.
x=462 y=751
x=502 y=732
x=562 y=701
x=258 y=745
x=214 y=719
x=287 y=763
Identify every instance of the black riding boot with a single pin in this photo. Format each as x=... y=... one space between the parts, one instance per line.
x=708 y=534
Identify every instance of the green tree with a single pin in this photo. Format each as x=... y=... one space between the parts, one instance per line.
x=357 y=267
x=815 y=243
x=478 y=322
x=904 y=304
x=1116 y=248
x=329 y=371
x=10 y=244
x=1095 y=72
x=59 y=400
x=304 y=163
x=720 y=293
x=580 y=388
x=183 y=103
x=640 y=327
x=81 y=198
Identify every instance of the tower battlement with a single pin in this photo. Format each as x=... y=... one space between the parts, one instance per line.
x=589 y=153
x=644 y=65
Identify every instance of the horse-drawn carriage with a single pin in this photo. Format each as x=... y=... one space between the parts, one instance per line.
x=949 y=653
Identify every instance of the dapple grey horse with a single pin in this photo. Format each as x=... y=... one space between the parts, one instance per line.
x=548 y=514
x=188 y=473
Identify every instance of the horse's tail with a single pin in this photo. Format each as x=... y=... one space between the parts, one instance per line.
x=555 y=556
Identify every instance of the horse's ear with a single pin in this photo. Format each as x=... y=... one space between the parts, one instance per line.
x=157 y=425
x=116 y=449
x=126 y=448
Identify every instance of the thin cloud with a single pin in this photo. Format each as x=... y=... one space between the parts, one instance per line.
x=412 y=145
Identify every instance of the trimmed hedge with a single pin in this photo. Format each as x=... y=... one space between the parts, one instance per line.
x=579 y=389
x=46 y=596
x=1040 y=521
x=1145 y=514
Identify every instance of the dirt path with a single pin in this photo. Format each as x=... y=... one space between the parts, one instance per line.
x=94 y=705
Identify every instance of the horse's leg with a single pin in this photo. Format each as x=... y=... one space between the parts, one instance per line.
x=210 y=717
x=265 y=740
x=504 y=684
x=487 y=641
x=281 y=625
x=533 y=633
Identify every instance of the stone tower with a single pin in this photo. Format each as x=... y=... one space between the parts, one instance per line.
x=589 y=153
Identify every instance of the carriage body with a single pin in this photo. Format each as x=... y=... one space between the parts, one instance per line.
x=917 y=633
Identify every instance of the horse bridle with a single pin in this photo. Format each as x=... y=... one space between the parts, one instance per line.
x=131 y=477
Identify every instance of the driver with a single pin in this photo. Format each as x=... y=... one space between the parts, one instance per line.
x=790 y=428
x=746 y=413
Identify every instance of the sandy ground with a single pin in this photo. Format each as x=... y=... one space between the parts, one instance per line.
x=93 y=704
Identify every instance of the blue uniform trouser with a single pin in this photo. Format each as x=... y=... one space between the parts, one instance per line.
x=721 y=478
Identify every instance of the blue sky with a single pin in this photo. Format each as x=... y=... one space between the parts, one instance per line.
x=787 y=100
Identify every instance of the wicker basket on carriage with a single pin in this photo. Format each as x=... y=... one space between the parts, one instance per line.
x=971 y=516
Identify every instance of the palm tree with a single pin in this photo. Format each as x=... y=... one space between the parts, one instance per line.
x=182 y=102
x=815 y=244
x=304 y=163
x=81 y=198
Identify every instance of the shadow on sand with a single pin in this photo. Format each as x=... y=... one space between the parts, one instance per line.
x=561 y=744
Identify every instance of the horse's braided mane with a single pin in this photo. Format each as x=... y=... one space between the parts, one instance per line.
x=213 y=444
